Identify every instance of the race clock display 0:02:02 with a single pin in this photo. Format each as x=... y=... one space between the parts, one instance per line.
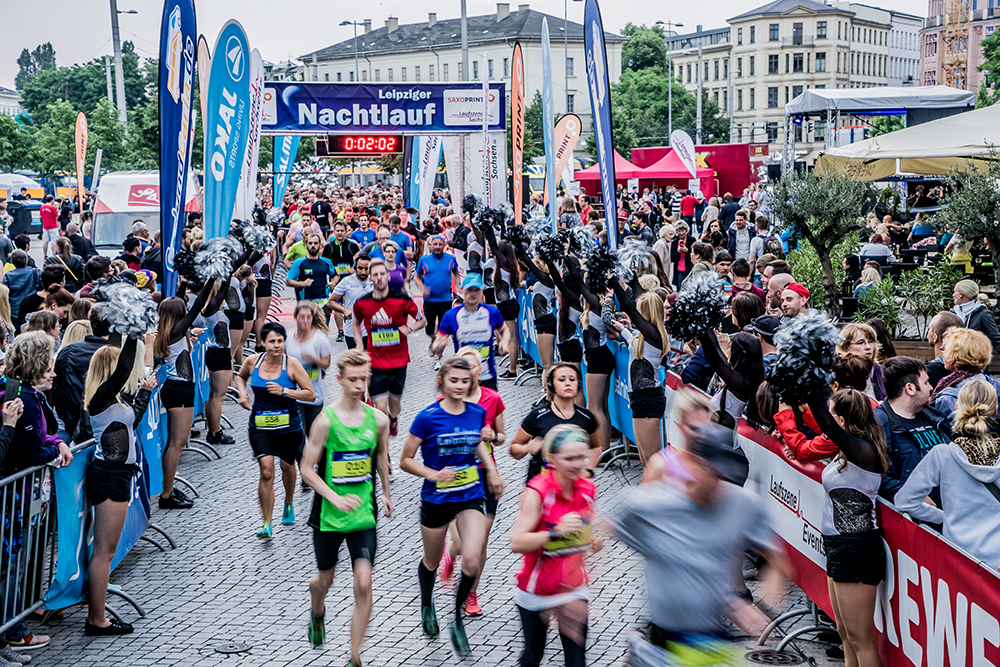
x=365 y=144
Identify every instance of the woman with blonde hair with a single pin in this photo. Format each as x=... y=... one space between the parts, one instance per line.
x=962 y=470
x=711 y=211
x=310 y=344
x=966 y=354
x=869 y=277
x=860 y=338
x=5 y=312
x=76 y=331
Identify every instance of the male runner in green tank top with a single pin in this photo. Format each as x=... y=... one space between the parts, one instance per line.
x=346 y=439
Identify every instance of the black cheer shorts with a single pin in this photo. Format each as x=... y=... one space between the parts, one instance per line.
x=109 y=481
x=854 y=559
x=546 y=324
x=509 y=309
x=600 y=360
x=571 y=351
x=648 y=403
x=177 y=394
x=218 y=359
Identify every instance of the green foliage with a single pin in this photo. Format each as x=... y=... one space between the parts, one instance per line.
x=15 y=145
x=891 y=202
x=53 y=146
x=989 y=92
x=879 y=301
x=925 y=294
x=533 y=132
x=808 y=271
x=823 y=209
x=29 y=64
x=645 y=48
x=983 y=97
x=885 y=125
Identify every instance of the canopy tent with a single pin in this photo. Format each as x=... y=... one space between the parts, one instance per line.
x=883 y=101
x=670 y=166
x=624 y=170
x=930 y=149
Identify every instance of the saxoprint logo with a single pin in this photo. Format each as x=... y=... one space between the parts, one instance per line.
x=234 y=57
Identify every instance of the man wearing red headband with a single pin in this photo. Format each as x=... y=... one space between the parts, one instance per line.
x=794 y=300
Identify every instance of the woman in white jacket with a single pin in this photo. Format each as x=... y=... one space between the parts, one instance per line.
x=968 y=472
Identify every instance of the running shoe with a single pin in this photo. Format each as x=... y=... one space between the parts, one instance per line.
x=175 y=501
x=437 y=365
x=12 y=656
x=394 y=426
x=288 y=518
x=220 y=438
x=459 y=641
x=430 y=349
x=266 y=532
x=429 y=621
x=31 y=641
x=508 y=375
x=472 y=606
x=317 y=628
x=116 y=628
x=447 y=567
x=340 y=336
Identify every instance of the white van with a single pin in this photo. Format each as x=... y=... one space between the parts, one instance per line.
x=126 y=196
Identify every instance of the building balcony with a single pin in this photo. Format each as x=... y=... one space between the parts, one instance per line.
x=805 y=40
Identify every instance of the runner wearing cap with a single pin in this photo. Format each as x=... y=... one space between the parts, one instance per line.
x=474 y=324
x=794 y=301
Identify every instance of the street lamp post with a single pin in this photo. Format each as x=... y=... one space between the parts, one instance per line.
x=119 y=74
x=670 y=68
x=357 y=74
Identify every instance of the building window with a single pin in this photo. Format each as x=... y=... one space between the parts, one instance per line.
x=475 y=70
x=788 y=60
x=715 y=96
x=772 y=63
x=753 y=98
x=402 y=74
x=797 y=34
x=378 y=75
x=739 y=36
x=716 y=70
x=838 y=29
x=326 y=76
x=821 y=30
x=725 y=69
x=364 y=75
x=489 y=68
x=689 y=73
x=820 y=62
x=798 y=133
x=416 y=73
x=739 y=67
x=352 y=75
x=445 y=67
x=506 y=66
x=340 y=76
x=796 y=91
x=772 y=132
x=753 y=34
x=739 y=100
x=705 y=78
x=570 y=67
x=570 y=103
x=819 y=132
x=772 y=33
x=430 y=71
x=390 y=74
x=787 y=98
x=460 y=71
x=753 y=60
x=772 y=97
x=797 y=63
x=725 y=101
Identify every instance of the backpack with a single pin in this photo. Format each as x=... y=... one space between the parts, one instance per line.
x=772 y=244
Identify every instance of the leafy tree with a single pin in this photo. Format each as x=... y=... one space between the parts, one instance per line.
x=879 y=302
x=807 y=269
x=533 y=132
x=983 y=97
x=15 y=145
x=54 y=141
x=989 y=92
x=105 y=132
x=29 y=64
x=823 y=209
x=924 y=293
x=885 y=125
x=142 y=145
x=645 y=48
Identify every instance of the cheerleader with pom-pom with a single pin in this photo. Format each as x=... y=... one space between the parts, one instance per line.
x=541 y=300
x=506 y=281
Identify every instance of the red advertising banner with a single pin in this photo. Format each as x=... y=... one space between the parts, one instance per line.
x=517 y=129
x=80 y=139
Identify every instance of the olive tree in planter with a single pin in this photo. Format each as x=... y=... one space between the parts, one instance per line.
x=879 y=301
x=823 y=208
x=925 y=294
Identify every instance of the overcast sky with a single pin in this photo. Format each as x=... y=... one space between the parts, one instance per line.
x=81 y=29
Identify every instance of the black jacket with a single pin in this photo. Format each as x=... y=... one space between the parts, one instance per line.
x=82 y=246
x=72 y=363
x=981 y=319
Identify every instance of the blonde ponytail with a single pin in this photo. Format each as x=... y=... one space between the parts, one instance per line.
x=976 y=407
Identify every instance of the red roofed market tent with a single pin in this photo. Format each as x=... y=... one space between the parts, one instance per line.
x=624 y=170
x=668 y=170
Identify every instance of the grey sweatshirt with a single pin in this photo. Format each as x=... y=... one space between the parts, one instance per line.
x=971 y=514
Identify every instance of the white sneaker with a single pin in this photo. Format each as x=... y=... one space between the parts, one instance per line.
x=10 y=655
x=7 y=663
x=437 y=365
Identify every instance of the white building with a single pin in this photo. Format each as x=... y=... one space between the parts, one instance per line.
x=431 y=51
x=10 y=102
x=770 y=55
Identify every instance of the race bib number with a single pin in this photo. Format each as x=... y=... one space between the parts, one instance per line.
x=575 y=542
x=271 y=419
x=351 y=467
x=342 y=269
x=484 y=351
x=385 y=337
x=313 y=373
x=465 y=478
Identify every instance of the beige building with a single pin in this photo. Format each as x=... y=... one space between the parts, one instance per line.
x=769 y=55
x=431 y=51
x=982 y=22
x=10 y=102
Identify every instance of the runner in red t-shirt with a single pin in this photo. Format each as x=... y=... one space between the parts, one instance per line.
x=50 y=225
x=385 y=315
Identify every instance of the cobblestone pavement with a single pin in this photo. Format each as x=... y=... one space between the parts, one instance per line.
x=222 y=584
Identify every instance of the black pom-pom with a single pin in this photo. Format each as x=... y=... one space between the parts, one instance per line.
x=470 y=205
x=550 y=249
x=184 y=265
x=582 y=241
x=807 y=349
x=700 y=307
x=600 y=269
x=517 y=234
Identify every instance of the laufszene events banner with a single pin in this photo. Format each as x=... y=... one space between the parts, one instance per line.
x=431 y=108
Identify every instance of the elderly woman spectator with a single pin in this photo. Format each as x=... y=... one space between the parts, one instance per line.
x=976 y=315
x=860 y=338
x=967 y=353
x=963 y=470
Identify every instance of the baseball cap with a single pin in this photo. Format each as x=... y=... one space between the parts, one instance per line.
x=765 y=325
x=723 y=257
x=801 y=290
x=714 y=444
x=622 y=214
x=472 y=280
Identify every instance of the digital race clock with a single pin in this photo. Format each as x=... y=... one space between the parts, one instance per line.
x=361 y=145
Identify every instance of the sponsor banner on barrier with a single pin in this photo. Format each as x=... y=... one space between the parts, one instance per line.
x=434 y=108
x=526 y=327
x=548 y=130
x=285 y=150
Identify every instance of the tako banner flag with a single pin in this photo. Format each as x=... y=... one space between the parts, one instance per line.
x=204 y=71
x=177 y=63
x=548 y=116
x=681 y=142
x=567 y=134
x=517 y=121
x=425 y=159
x=81 y=154
x=285 y=150
x=248 y=178
x=228 y=124
x=600 y=105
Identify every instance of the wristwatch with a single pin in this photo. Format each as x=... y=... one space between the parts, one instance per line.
x=553 y=533
x=284 y=391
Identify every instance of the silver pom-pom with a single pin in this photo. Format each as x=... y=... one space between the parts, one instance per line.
x=131 y=311
x=215 y=259
x=275 y=217
x=549 y=248
x=582 y=241
x=257 y=238
x=700 y=306
x=807 y=349
x=634 y=259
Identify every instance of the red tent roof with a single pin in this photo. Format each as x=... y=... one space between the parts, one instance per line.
x=670 y=166
x=624 y=170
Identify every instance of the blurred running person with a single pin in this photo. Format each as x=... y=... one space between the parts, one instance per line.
x=385 y=315
x=340 y=251
x=475 y=324
x=310 y=344
x=449 y=434
x=257 y=313
x=347 y=438
x=312 y=275
x=278 y=381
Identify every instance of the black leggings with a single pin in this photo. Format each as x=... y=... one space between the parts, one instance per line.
x=434 y=311
x=535 y=629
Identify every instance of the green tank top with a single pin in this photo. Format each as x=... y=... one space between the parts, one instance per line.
x=347 y=466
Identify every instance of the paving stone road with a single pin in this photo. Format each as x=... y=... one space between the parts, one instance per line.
x=222 y=584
